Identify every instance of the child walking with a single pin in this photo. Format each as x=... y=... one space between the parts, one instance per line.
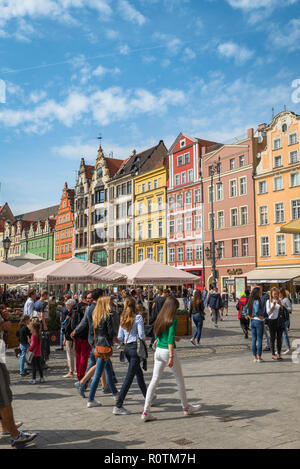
x=36 y=349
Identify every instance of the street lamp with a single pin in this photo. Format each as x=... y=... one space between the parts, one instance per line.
x=6 y=245
x=215 y=168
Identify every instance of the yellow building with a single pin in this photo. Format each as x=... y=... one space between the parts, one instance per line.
x=277 y=193
x=150 y=208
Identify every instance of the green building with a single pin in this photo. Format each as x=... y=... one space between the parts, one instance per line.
x=38 y=239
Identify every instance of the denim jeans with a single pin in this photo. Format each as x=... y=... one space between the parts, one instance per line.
x=23 y=349
x=93 y=361
x=257 y=331
x=198 y=321
x=61 y=339
x=134 y=369
x=285 y=334
x=101 y=365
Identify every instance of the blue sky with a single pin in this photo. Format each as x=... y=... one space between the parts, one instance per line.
x=136 y=71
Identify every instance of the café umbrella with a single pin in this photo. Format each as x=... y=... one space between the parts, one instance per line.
x=11 y=274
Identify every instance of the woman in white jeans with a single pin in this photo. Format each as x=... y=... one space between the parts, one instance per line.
x=165 y=355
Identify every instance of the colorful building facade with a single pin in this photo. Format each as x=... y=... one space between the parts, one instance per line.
x=233 y=213
x=38 y=239
x=150 y=187
x=185 y=204
x=277 y=195
x=64 y=226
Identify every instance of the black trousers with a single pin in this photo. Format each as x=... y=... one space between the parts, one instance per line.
x=134 y=369
x=37 y=365
x=244 y=325
x=276 y=332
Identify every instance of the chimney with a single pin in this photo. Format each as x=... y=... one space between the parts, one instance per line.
x=250 y=133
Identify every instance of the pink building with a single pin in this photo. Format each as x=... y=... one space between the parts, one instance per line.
x=233 y=204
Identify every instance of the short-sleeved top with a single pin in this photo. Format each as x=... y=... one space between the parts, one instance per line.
x=128 y=337
x=168 y=336
x=41 y=307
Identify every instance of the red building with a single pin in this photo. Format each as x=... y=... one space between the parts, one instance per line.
x=233 y=208
x=63 y=236
x=185 y=205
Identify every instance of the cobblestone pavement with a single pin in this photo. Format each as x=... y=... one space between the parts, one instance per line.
x=244 y=404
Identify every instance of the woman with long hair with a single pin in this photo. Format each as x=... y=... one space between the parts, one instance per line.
x=165 y=355
x=198 y=315
x=274 y=309
x=104 y=333
x=36 y=348
x=131 y=327
x=287 y=305
x=255 y=313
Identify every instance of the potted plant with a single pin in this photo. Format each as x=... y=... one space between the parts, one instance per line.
x=184 y=325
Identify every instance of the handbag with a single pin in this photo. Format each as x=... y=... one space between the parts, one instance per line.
x=29 y=356
x=102 y=351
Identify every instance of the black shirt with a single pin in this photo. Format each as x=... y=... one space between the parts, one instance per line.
x=23 y=335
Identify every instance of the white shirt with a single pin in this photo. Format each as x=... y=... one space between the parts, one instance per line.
x=272 y=314
x=29 y=308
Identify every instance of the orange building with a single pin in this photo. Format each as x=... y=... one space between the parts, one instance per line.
x=64 y=226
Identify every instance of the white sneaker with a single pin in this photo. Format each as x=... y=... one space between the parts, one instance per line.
x=120 y=411
x=94 y=404
x=286 y=352
x=32 y=381
x=148 y=417
x=259 y=360
x=191 y=409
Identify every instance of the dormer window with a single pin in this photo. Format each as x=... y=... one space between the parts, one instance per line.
x=182 y=143
x=99 y=172
x=284 y=128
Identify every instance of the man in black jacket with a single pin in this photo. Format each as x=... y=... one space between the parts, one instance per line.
x=215 y=303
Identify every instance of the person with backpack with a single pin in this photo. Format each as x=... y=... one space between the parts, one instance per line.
x=254 y=311
x=215 y=303
x=277 y=319
x=68 y=340
x=241 y=307
x=23 y=334
x=82 y=346
x=198 y=315
x=287 y=306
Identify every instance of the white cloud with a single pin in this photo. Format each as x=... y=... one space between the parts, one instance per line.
x=130 y=13
x=232 y=50
x=287 y=37
x=172 y=44
x=258 y=10
x=124 y=49
x=102 y=106
x=189 y=54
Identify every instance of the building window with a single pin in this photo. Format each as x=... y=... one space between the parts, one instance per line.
x=263 y=215
x=233 y=188
x=183 y=177
x=149 y=186
x=296 y=243
x=188 y=224
x=292 y=139
x=180 y=254
x=179 y=161
x=277 y=143
x=295 y=209
x=171 y=254
x=143 y=187
x=242 y=160
x=295 y=180
x=140 y=231
x=198 y=222
x=294 y=156
x=197 y=196
x=149 y=204
x=171 y=203
x=159 y=203
x=244 y=215
x=278 y=183
x=189 y=253
x=171 y=227
x=232 y=163
x=177 y=179
x=210 y=193
x=140 y=208
x=150 y=253
x=188 y=198
x=220 y=191
x=129 y=187
x=160 y=228
x=198 y=253
x=160 y=254
x=57 y=249
x=222 y=249
x=179 y=201
x=234 y=217
x=262 y=187
x=279 y=212
x=182 y=143
x=141 y=254
x=186 y=158
x=190 y=175
x=243 y=186
x=57 y=236
x=235 y=248
x=277 y=161
x=245 y=247
x=179 y=225
x=220 y=220
x=155 y=183
x=264 y=246
x=149 y=230
x=280 y=245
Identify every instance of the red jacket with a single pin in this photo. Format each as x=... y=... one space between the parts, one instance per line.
x=35 y=347
x=240 y=302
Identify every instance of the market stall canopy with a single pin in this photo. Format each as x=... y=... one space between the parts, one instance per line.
x=25 y=258
x=26 y=267
x=272 y=275
x=149 y=272
x=11 y=274
x=292 y=227
x=116 y=266
x=76 y=270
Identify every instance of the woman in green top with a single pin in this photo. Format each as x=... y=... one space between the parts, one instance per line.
x=165 y=355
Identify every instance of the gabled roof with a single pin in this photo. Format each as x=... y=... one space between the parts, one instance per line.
x=204 y=143
x=41 y=214
x=113 y=165
x=89 y=171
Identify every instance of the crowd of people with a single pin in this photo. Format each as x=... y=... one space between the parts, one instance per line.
x=94 y=323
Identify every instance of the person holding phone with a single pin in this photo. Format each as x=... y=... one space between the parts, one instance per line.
x=273 y=309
